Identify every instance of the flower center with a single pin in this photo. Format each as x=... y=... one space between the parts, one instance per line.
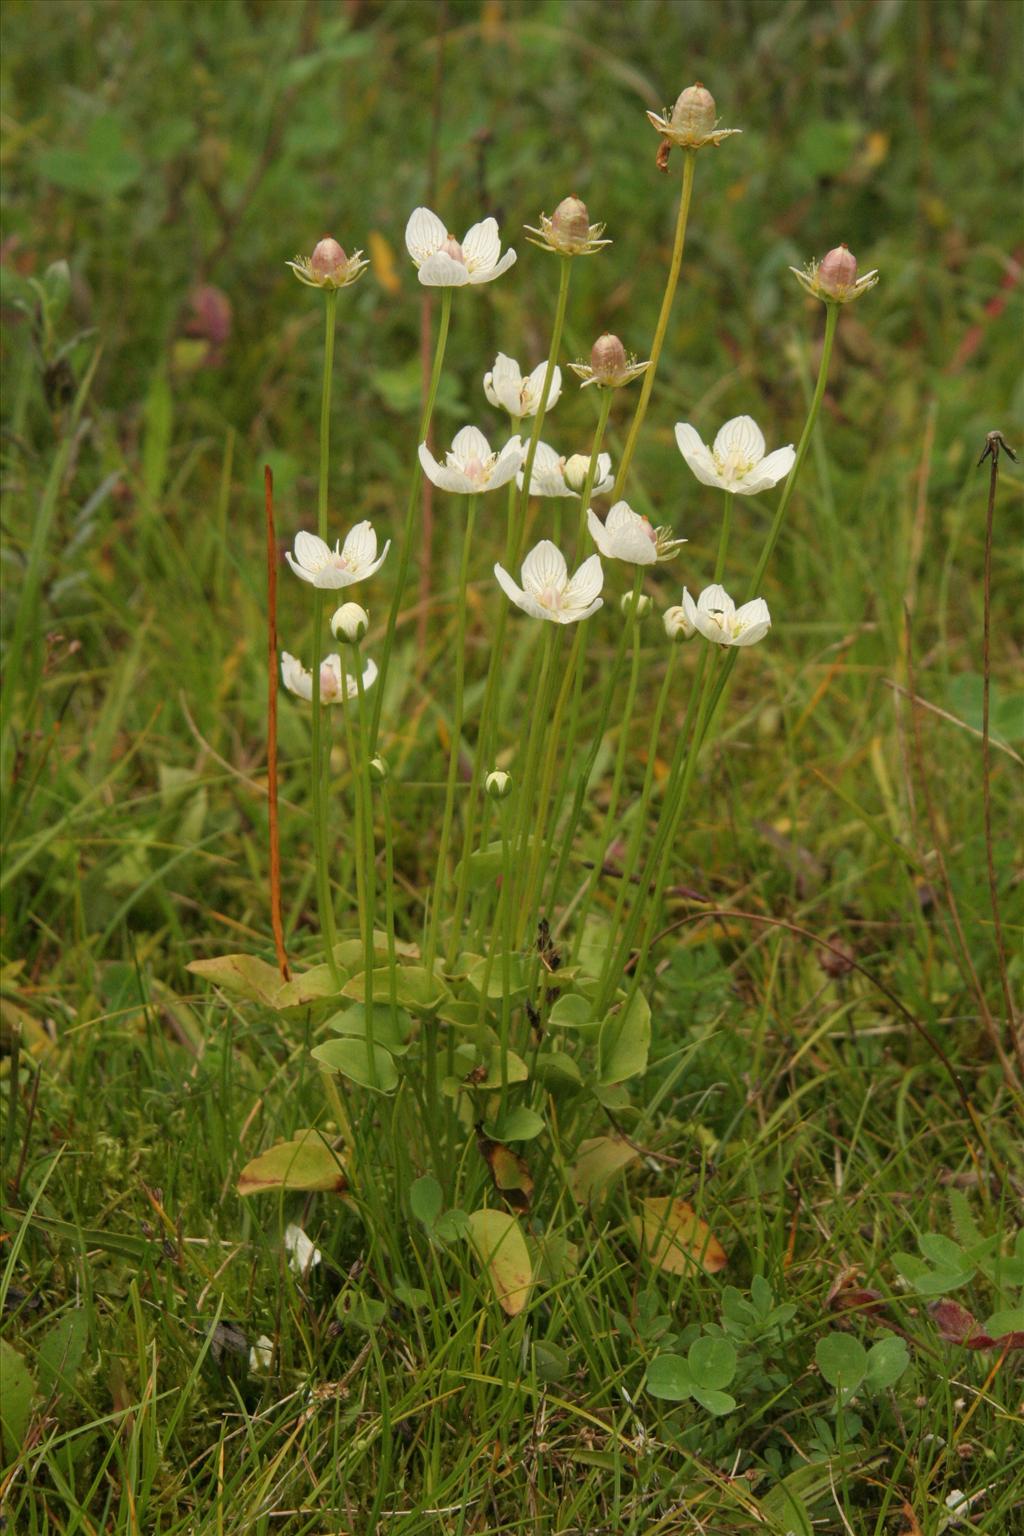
x=328 y=683
x=732 y=465
x=551 y=597
x=453 y=249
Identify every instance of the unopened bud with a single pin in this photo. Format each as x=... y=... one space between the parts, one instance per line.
x=677 y=625
x=576 y=471
x=635 y=607
x=837 y=271
x=350 y=622
x=570 y=222
x=607 y=358
x=498 y=784
x=327 y=257
x=695 y=112
x=379 y=770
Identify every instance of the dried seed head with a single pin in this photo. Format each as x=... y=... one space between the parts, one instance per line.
x=570 y=222
x=327 y=257
x=607 y=358
x=498 y=784
x=838 y=271
x=350 y=622
x=694 y=113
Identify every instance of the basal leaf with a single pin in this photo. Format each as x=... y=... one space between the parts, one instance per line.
x=673 y=1237
x=307 y=1163
x=501 y=1248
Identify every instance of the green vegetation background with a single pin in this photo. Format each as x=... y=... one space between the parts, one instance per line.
x=160 y=147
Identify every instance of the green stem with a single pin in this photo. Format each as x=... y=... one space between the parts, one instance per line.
x=330 y=317
x=361 y=770
x=430 y=952
x=657 y=862
x=319 y=768
x=538 y=421
x=528 y=777
x=555 y=746
x=405 y=554
x=389 y=897
x=723 y=539
x=588 y=485
x=619 y=769
x=689 y=164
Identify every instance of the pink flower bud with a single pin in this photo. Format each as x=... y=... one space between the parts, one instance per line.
x=570 y=222
x=327 y=257
x=607 y=358
x=695 y=112
x=838 y=271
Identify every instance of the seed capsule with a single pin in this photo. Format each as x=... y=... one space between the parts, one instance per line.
x=327 y=257
x=607 y=358
x=838 y=271
x=694 y=113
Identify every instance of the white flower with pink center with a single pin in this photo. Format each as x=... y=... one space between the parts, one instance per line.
x=444 y=262
x=548 y=591
x=469 y=465
x=316 y=562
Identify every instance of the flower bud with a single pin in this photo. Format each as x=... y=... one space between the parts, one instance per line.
x=570 y=222
x=636 y=608
x=498 y=784
x=607 y=358
x=837 y=271
x=694 y=113
x=576 y=471
x=677 y=625
x=379 y=770
x=327 y=257
x=350 y=622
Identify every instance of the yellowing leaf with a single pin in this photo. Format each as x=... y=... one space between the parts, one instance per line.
x=673 y=1237
x=597 y=1163
x=511 y=1175
x=501 y=1248
x=382 y=260
x=306 y=1163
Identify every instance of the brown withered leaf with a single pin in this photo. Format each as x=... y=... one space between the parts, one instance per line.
x=847 y=1295
x=958 y=1326
x=672 y=1236
x=512 y=1177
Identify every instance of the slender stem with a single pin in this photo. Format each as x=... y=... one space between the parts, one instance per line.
x=1016 y=1039
x=723 y=540
x=389 y=897
x=330 y=317
x=681 y=778
x=831 y=321
x=588 y=484
x=636 y=836
x=565 y=272
x=554 y=732
x=430 y=952
x=319 y=769
x=528 y=776
x=689 y=164
x=405 y=554
x=618 y=772
x=361 y=770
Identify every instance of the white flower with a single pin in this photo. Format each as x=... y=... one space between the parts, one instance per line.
x=350 y=622
x=717 y=618
x=553 y=475
x=737 y=461
x=299 y=680
x=444 y=262
x=548 y=592
x=355 y=560
x=302 y=1255
x=506 y=388
x=470 y=466
x=677 y=625
x=261 y=1354
x=625 y=535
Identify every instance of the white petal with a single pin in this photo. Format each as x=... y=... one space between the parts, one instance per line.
x=751 y=622
x=742 y=436
x=470 y=443
x=441 y=271
x=547 y=478
x=506 y=469
x=360 y=547
x=488 y=276
x=535 y=385
x=703 y=467
x=491 y=393
x=688 y=438
x=620 y=516
x=333 y=577
x=507 y=369
x=715 y=599
x=481 y=246
x=300 y=570
x=302 y=1255
x=598 y=534
x=311 y=552
x=586 y=585
x=514 y=593
x=544 y=568
x=295 y=677
x=439 y=474
x=604 y=479
x=424 y=234
x=768 y=473
x=690 y=609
